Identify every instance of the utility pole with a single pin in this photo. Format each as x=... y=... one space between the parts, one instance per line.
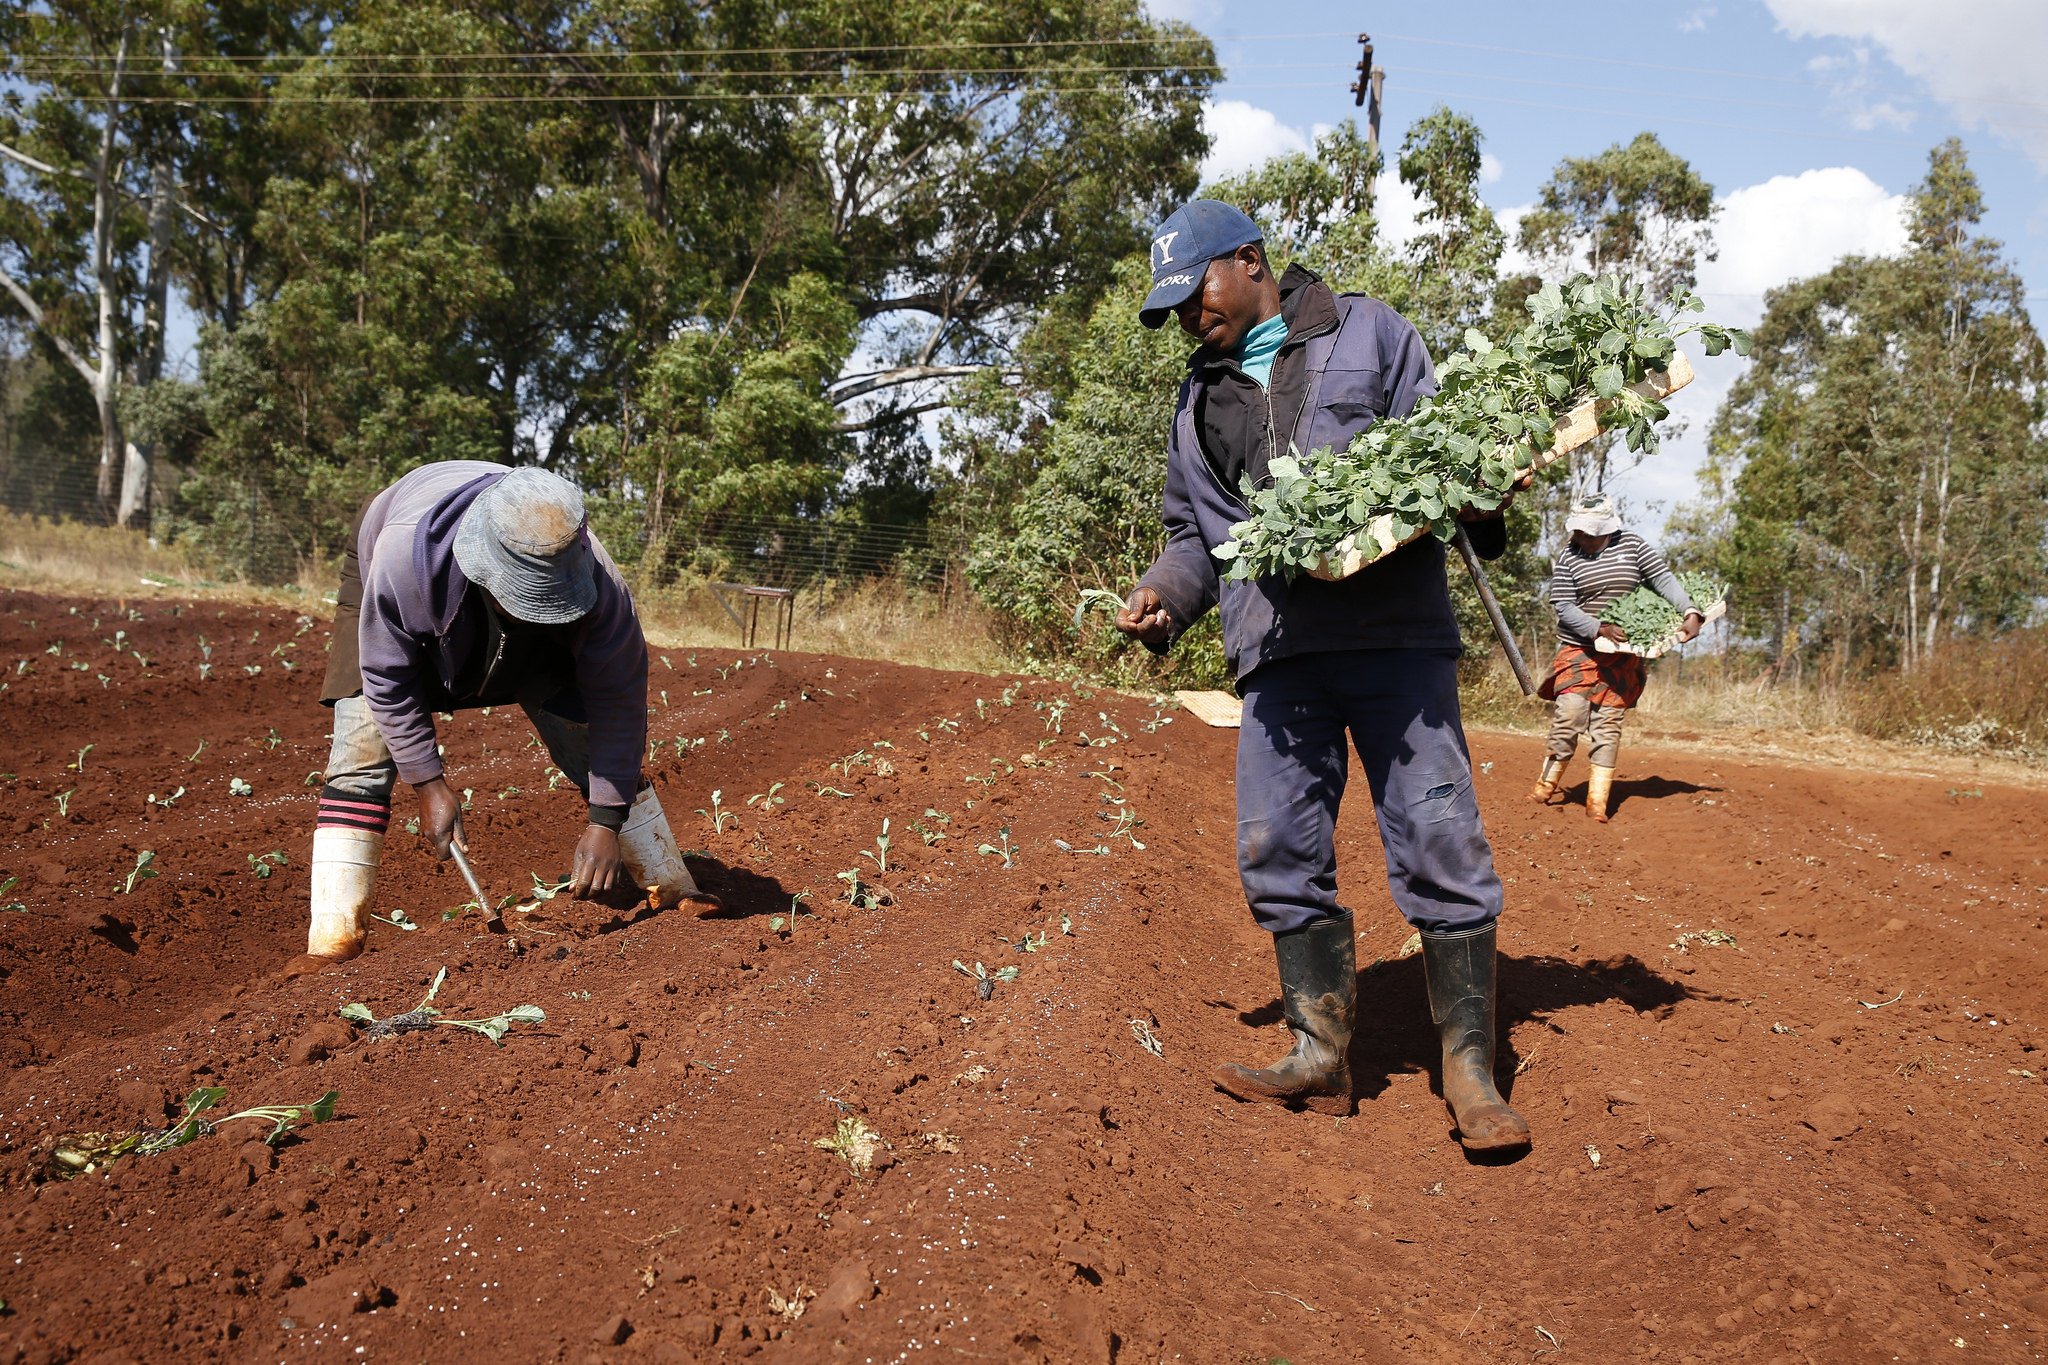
x=1370 y=84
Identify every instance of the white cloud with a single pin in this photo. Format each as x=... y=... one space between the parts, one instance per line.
x=1490 y=168
x=1789 y=227
x=1793 y=226
x=1242 y=136
x=1395 y=206
x=1982 y=58
x=1697 y=21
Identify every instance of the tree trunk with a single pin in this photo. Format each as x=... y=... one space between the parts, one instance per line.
x=106 y=383
x=149 y=366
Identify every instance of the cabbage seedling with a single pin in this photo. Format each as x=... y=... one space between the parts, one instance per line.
x=768 y=798
x=880 y=857
x=168 y=801
x=237 y=787
x=854 y=1143
x=63 y=800
x=984 y=979
x=141 y=872
x=79 y=1154
x=1096 y=597
x=398 y=920
x=11 y=907
x=424 y=1016
x=718 y=814
x=263 y=864
x=859 y=894
x=1007 y=850
x=547 y=891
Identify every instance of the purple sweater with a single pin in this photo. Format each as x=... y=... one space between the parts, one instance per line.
x=413 y=634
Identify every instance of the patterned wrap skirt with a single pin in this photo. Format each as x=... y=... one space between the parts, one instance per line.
x=1606 y=679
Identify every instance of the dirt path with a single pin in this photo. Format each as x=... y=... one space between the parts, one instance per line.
x=1783 y=1173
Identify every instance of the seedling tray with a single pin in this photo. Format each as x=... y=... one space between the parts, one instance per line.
x=1573 y=430
x=1219 y=709
x=1662 y=646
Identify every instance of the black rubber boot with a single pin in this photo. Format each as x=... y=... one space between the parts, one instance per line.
x=1460 y=969
x=1319 y=989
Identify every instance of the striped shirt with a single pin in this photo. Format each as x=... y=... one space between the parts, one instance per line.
x=1582 y=585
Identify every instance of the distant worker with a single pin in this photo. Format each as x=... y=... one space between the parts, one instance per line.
x=1592 y=691
x=1286 y=363
x=467 y=584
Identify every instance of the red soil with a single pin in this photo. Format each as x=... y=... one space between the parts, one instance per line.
x=1784 y=1173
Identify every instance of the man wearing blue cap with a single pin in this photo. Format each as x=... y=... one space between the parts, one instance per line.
x=1284 y=364
x=468 y=584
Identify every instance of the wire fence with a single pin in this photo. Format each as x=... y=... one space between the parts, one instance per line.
x=813 y=557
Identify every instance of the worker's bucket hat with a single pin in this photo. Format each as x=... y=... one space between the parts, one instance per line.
x=526 y=542
x=1595 y=515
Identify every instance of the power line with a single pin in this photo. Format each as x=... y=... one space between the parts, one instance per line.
x=94 y=62
x=89 y=63
x=1692 y=70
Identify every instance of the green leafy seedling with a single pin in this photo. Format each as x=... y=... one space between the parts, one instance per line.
x=77 y=765
x=718 y=814
x=263 y=864
x=768 y=798
x=547 y=891
x=880 y=857
x=63 y=800
x=1008 y=851
x=11 y=907
x=424 y=1016
x=143 y=870
x=984 y=979
x=85 y=1153
x=398 y=919
x=859 y=894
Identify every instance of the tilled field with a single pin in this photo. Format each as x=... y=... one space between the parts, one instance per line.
x=1810 y=1136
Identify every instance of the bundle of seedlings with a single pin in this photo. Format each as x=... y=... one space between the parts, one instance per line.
x=76 y=1154
x=424 y=1016
x=1597 y=355
x=1651 y=623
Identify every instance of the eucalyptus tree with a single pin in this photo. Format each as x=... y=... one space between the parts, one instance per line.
x=1878 y=477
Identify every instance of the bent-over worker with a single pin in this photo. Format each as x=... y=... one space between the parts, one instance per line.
x=1285 y=361
x=468 y=584
x=1591 y=691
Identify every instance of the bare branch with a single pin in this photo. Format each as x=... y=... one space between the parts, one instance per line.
x=908 y=374
x=889 y=415
x=35 y=312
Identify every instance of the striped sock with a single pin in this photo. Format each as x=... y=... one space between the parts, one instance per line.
x=343 y=810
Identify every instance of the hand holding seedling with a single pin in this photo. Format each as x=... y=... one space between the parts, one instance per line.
x=1144 y=617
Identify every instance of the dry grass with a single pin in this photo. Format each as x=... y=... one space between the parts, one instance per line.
x=59 y=556
x=874 y=620
x=1982 y=716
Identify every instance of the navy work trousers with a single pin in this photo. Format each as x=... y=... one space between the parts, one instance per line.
x=1401 y=709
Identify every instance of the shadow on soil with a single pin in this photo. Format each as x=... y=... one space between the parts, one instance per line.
x=1395 y=1036
x=1621 y=793
x=744 y=892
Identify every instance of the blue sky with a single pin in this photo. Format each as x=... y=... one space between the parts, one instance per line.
x=1810 y=118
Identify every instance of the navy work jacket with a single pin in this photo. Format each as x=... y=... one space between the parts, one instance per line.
x=1363 y=361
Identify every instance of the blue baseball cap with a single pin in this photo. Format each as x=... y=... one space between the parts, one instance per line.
x=1196 y=234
